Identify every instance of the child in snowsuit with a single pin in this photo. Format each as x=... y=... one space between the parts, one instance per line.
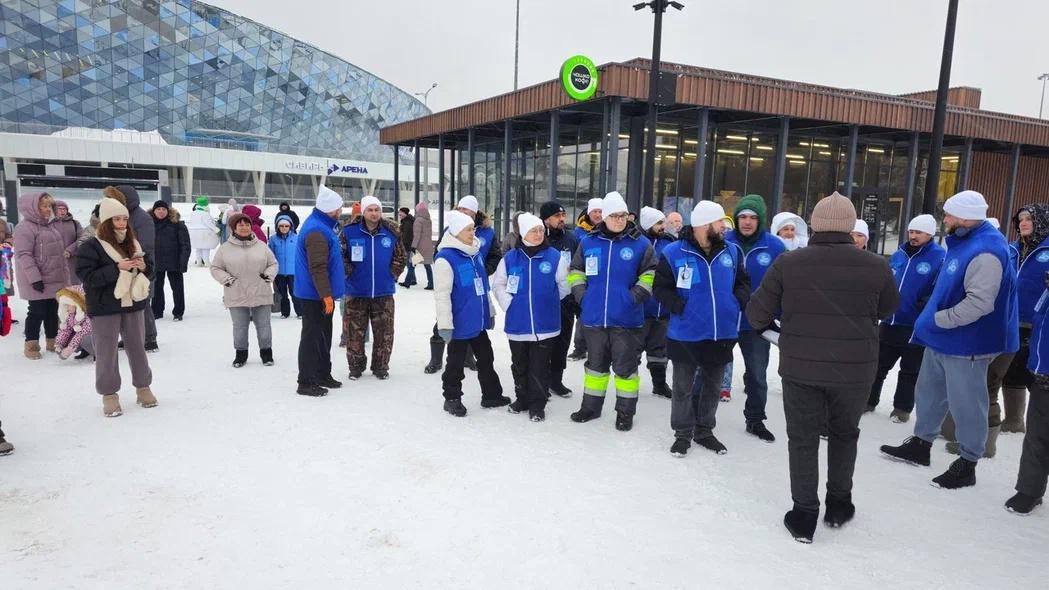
x=464 y=314
x=529 y=284
x=75 y=333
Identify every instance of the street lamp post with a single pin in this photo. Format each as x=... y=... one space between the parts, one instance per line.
x=932 y=179
x=426 y=152
x=517 y=40
x=1041 y=105
x=658 y=8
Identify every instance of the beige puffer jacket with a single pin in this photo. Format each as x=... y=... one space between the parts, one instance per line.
x=238 y=266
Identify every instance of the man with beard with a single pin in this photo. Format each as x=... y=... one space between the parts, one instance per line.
x=654 y=338
x=553 y=216
x=829 y=296
x=970 y=318
x=674 y=223
x=915 y=267
x=702 y=283
x=759 y=249
x=611 y=277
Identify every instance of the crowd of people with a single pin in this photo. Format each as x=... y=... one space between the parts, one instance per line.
x=964 y=320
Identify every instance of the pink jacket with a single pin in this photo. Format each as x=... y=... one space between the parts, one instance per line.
x=71 y=231
x=255 y=215
x=39 y=252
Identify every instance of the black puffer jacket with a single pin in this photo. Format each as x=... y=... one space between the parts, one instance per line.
x=99 y=273
x=829 y=297
x=172 y=245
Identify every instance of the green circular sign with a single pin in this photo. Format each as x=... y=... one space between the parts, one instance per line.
x=579 y=76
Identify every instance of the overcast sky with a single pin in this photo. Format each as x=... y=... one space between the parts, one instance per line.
x=467 y=46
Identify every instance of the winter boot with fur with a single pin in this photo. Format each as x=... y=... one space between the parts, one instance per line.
x=145 y=397
x=1015 y=399
x=32 y=351
x=111 y=405
x=436 y=356
x=50 y=344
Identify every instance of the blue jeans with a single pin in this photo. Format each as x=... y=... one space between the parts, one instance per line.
x=958 y=384
x=755 y=351
x=409 y=279
x=726 y=381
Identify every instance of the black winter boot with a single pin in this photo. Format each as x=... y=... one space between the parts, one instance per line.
x=589 y=410
x=455 y=407
x=711 y=443
x=1022 y=504
x=494 y=402
x=557 y=385
x=913 y=450
x=311 y=390
x=267 y=356
x=758 y=429
x=624 y=421
x=659 y=381
x=436 y=356
x=838 y=511
x=801 y=524
x=240 y=359
x=961 y=474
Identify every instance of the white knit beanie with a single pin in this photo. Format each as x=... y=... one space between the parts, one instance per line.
x=469 y=202
x=109 y=208
x=457 y=221
x=594 y=204
x=861 y=228
x=650 y=216
x=328 y=200
x=526 y=222
x=968 y=205
x=924 y=223
x=706 y=212
x=370 y=201
x=612 y=204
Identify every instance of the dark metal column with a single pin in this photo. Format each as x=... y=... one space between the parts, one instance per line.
x=504 y=217
x=440 y=180
x=908 y=197
x=452 y=173
x=1010 y=190
x=470 y=161
x=965 y=165
x=555 y=152
x=702 y=131
x=932 y=176
x=635 y=162
x=416 y=148
x=396 y=179
x=780 y=171
x=850 y=159
x=602 y=173
x=612 y=181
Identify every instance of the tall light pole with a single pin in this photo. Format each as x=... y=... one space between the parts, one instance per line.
x=1041 y=105
x=658 y=8
x=932 y=179
x=517 y=40
x=426 y=151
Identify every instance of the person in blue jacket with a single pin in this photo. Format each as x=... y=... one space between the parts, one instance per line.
x=283 y=244
x=374 y=257
x=465 y=313
x=915 y=267
x=564 y=241
x=657 y=315
x=611 y=277
x=1034 y=460
x=970 y=318
x=701 y=281
x=320 y=281
x=584 y=224
x=529 y=284
x=759 y=249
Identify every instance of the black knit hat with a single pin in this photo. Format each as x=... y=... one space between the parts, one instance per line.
x=161 y=203
x=549 y=209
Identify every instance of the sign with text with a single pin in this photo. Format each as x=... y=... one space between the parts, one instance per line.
x=352 y=169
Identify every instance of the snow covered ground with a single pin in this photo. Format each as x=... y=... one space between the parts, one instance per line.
x=236 y=482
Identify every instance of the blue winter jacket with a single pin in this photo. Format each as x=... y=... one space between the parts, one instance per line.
x=653 y=308
x=711 y=309
x=992 y=334
x=1030 y=277
x=915 y=279
x=611 y=276
x=535 y=305
x=1038 y=361
x=757 y=261
x=370 y=257
x=318 y=222
x=283 y=248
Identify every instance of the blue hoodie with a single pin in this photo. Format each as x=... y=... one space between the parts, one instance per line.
x=915 y=279
x=283 y=247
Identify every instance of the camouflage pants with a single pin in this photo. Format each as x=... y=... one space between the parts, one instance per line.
x=360 y=311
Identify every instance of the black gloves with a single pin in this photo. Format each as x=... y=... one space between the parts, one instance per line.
x=38 y=286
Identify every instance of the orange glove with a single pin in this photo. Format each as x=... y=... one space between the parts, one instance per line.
x=329 y=306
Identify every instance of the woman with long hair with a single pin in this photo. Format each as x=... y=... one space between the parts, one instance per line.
x=116 y=273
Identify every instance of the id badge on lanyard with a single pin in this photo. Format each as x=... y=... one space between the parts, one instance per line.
x=357 y=252
x=684 y=277
x=512 y=283
x=592 y=266
x=478 y=286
